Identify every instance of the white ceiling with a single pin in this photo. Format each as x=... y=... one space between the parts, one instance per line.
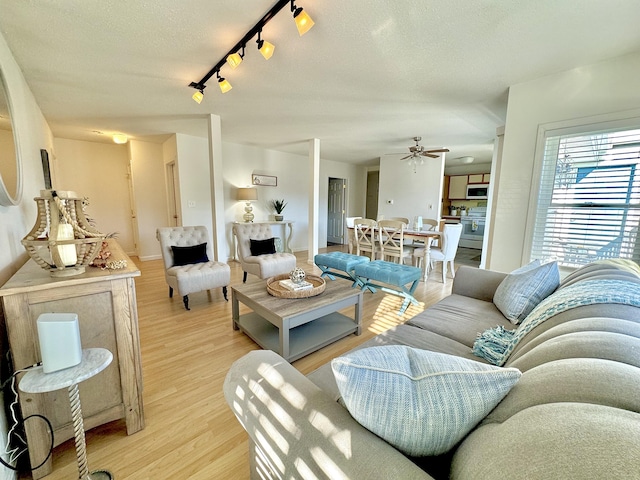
x=366 y=79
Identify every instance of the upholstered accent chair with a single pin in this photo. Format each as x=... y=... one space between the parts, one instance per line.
x=187 y=254
x=257 y=253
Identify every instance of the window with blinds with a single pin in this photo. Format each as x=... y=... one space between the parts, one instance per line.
x=589 y=198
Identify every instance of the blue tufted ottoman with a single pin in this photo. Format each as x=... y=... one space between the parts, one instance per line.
x=393 y=274
x=344 y=262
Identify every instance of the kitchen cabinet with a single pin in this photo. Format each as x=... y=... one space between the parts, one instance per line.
x=105 y=301
x=480 y=178
x=458 y=187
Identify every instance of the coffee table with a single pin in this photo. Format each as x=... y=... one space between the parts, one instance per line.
x=296 y=327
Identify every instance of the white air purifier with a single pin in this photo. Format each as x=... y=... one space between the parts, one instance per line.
x=59 y=337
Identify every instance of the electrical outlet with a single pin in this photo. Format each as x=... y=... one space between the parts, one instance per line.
x=192 y=203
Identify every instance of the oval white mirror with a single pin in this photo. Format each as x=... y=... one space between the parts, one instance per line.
x=10 y=165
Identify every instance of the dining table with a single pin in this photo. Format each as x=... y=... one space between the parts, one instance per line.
x=426 y=236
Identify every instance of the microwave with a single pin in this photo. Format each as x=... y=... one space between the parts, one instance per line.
x=478 y=191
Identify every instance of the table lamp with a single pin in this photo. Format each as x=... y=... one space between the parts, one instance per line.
x=247 y=195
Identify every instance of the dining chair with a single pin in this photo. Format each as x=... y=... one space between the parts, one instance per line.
x=391 y=241
x=446 y=253
x=400 y=219
x=431 y=222
x=365 y=232
x=351 y=236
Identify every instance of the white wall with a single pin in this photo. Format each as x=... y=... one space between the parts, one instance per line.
x=98 y=171
x=147 y=166
x=292 y=171
x=17 y=221
x=595 y=90
x=193 y=174
x=412 y=193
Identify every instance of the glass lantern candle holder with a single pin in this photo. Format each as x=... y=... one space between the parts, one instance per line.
x=62 y=241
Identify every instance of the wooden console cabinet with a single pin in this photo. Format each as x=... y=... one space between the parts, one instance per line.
x=105 y=301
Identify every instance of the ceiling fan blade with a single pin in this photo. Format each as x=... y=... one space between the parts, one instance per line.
x=397 y=153
x=430 y=155
x=439 y=150
x=408 y=156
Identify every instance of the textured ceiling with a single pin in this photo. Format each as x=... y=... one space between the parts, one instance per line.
x=365 y=80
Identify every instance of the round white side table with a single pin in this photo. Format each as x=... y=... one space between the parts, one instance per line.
x=94 y=360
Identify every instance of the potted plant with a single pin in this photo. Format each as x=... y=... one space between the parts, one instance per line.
x=278 y=207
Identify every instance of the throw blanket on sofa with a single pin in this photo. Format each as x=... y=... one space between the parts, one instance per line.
x=496 y=344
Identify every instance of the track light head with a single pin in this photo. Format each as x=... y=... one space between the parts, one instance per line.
x=224 y=85
x=198 y=96
x=265 y=48
x=302 y=19
x=235 y=59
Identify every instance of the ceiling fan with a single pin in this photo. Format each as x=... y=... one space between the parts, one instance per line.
x=418 y=150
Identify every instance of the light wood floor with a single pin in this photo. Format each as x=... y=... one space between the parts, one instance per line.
x=190 y=432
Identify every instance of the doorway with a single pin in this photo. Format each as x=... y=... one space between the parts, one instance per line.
x=336 y=211
x=172 y=194
x=373 y=182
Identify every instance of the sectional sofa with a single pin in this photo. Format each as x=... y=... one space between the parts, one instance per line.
x=571 y=412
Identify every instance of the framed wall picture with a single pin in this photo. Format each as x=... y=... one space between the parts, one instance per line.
x=264 y=180
x=44 y=156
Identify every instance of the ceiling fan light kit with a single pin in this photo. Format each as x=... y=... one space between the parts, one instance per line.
x=418 y=152
x=235 y=56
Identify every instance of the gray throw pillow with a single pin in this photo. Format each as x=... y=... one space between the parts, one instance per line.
x=525 y=288
x=421 y=402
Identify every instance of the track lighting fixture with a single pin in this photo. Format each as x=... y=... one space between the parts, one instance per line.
x=264 y=47
x=302 y=19
x=235 y=56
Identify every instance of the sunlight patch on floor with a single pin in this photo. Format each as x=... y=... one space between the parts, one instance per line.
x=386 y=315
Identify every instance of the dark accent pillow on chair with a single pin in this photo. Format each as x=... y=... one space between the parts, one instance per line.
x=262 y=247
x=189 y=255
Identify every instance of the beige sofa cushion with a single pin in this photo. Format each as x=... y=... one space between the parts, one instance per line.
x=567 y=440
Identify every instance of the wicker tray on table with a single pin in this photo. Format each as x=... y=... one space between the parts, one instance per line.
x=277 y=290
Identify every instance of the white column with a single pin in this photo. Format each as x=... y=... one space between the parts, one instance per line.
x=218 y=236
x=496 y=163
x=314 y=196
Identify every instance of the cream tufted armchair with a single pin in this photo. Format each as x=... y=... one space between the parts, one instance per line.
x=187 y=262
x=265 y=265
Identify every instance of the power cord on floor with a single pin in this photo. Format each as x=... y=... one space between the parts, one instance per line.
x=13 y=434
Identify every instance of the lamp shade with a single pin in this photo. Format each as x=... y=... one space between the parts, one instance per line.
x=247 y=194
x=303 y=21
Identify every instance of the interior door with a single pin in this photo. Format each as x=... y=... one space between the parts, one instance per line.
x=335 y=210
